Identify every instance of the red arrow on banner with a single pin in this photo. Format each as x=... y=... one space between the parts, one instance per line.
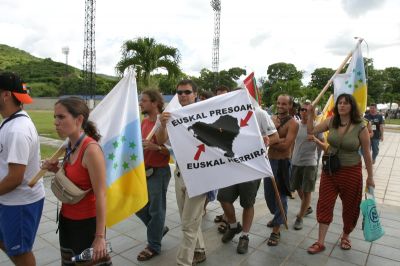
x=243 y=122
x=201 y=148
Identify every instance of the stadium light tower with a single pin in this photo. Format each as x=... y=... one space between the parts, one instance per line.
x=89 y=52
x=216 y=5
x=65 y=50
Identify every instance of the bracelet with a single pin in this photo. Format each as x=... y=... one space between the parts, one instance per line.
x=99 y=235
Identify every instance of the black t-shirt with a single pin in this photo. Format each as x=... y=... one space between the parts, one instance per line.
x=376 y=121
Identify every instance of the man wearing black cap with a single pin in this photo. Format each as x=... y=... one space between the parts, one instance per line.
x=20 y=206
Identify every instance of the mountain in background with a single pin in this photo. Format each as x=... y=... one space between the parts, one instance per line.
x=47 y=78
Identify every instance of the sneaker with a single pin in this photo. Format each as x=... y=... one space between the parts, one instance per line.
x=243 y=245
x=230 y=233
x=298 y=224
x=199 y=257
x=308 y=211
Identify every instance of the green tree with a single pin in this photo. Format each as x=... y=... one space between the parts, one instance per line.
x=393 y=78
x=209 y=80
x=146 y=56
x=283 y=72
x=377 y=85
x=41 y=89
x=320 y=77
x=167 y=84
x=283 y=78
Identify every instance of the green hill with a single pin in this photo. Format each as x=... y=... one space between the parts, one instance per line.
x=46 y=77
x=10 y=56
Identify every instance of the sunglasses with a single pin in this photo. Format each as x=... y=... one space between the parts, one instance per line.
x=187 y=92
x=303 y=110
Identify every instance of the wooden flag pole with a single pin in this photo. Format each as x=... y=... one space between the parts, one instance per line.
x=316 y=101
x=152 y=132
x=278 y=199
x=41 y=173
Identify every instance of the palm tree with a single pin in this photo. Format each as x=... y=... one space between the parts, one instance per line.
x=146 y=55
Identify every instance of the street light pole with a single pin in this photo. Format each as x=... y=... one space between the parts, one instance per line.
x=65 y=50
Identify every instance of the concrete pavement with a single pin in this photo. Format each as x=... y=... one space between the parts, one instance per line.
x=128 y=238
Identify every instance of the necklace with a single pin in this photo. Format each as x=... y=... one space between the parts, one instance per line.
x=343 y=125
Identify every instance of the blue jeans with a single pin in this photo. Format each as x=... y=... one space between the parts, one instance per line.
x=375 y=148
x=269 y=194
x=153 y=214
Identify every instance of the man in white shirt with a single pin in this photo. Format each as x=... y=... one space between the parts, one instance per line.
x=20 y=206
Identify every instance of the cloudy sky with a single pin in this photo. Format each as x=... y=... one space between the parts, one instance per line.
x=254 y=33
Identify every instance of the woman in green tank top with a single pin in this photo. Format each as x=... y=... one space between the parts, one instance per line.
x=347 y=132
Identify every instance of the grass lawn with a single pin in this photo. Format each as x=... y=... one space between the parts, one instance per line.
x=46 y=151
x=392 y=121
x=44 y=122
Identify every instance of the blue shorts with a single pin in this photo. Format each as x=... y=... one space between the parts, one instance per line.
x=18 y=226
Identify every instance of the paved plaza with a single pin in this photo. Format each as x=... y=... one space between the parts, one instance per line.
x=128 y=238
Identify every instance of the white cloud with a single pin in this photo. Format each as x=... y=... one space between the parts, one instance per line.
x=356 y=8
x=259 y=39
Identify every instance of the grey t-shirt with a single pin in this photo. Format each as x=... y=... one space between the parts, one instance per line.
x=305 y=152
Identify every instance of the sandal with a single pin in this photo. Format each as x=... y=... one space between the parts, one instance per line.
x=270 y=224
x=273 y=239
x=219 y=218
x=222 y=227
x=316 y=248
x=146 y=254
x=345 y=243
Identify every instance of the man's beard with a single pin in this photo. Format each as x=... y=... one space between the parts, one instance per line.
x=283 y=112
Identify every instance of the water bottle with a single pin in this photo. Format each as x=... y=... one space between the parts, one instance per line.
x=87 y=254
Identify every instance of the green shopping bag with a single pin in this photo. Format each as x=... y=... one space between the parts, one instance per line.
x=371 y=225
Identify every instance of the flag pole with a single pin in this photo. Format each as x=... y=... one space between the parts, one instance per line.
x=278 y=199
x=41 y=173
x=157 y=125
x=316 y=101
x=152 y=132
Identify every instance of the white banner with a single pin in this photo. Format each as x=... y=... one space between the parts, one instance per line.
x=217 y=143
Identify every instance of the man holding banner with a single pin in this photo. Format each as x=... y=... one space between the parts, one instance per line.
x=217 y=143
x=192 y=248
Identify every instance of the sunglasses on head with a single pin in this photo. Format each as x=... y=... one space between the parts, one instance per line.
x=187 y=92
x=303 y=109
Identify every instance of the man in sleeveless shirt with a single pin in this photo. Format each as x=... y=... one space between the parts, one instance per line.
x=156 y=160
x=20 y=206
x=279 y=155
x=304 y=165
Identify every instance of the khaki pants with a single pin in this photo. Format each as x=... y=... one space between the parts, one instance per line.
x=191 y=212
